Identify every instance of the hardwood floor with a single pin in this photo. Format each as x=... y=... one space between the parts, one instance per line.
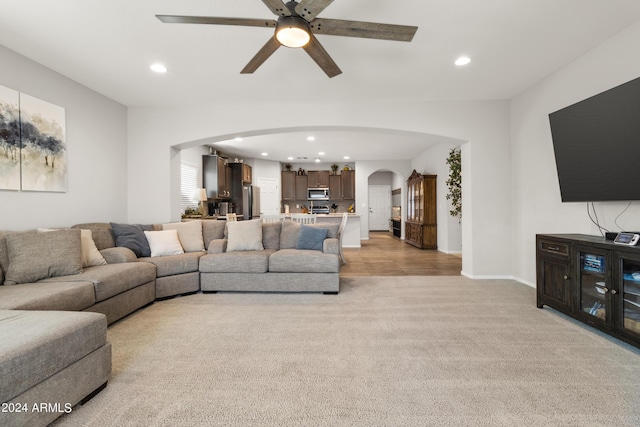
x=385 y=255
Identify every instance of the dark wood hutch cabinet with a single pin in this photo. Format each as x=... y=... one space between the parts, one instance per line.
x=421 y=227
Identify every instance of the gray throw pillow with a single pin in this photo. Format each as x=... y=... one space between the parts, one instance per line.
x=36 y=256
x=132 y=236
x=311 y=237
x=289 y=234
x=271 y=235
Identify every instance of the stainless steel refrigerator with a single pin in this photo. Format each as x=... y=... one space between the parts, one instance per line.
x=247 y=202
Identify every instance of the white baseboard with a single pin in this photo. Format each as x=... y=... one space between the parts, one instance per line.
x=498 y=277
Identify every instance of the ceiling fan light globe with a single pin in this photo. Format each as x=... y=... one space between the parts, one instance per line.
x=293 y=31
x=292 y=36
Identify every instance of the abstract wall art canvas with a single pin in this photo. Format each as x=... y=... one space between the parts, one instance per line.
x=9 y=139
x=43 y=145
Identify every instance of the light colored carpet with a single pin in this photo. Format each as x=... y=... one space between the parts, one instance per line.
x=385 y=351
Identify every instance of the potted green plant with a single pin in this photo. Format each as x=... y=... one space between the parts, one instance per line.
x=454 y=183
x=288 y=167
x=334 y=168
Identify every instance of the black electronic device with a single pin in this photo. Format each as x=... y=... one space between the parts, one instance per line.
x=595 y=142
x=629 y=239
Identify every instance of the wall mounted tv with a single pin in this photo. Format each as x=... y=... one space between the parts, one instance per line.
x=597 y=144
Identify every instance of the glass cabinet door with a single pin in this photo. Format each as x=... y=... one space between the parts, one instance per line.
x=630 y=295
x=594 y=289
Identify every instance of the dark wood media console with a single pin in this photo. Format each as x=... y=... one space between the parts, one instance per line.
x=592 y=280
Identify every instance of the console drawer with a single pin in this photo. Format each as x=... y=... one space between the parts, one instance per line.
x=555 y=248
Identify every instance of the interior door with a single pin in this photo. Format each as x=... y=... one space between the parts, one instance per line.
x=269 y=196
x=379 y=207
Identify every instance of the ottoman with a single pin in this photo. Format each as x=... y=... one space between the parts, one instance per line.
x=49 y=362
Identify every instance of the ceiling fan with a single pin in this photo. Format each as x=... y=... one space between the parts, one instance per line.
x=297 y=25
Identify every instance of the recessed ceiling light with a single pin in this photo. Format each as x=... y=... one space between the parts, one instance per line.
x=346 y=157
x=238 y=139
x=265 y=154
x=321 y=153
x=311 y=138
x=463 y=60
x=158 y=68
x=289 y=158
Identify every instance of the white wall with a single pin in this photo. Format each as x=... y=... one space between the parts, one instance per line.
x=97 y=152
x=537 y=207
x=434 y=162
x=153 y=130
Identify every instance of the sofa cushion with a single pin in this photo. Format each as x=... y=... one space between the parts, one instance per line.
x=331 y=227
x=236 y=262
x=64 y=296
x=175 y=264
x=303 y=261
x=244 y=235
x=189 y=233
x=163 y=243
x=90 y=254
x=212 y=230
x=36 y=256
x=289 y=235
x=271 y=235
x=100 y=232
x=32 y=353
x=132 y=236
x=311 y=237
x=113 y=279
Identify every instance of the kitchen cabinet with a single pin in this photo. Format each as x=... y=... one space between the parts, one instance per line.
x=592 y=280
x=302 y=184
x=421 y=227
x=318 y=179
x=288 y=179
x=216 y=177
x=348 y=185
x=335 y=187
x=241 y=173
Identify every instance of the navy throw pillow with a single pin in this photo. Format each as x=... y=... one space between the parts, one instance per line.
x=311 y=237
x=132 y=236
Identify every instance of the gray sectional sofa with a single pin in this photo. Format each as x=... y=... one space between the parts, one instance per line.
x=59 y=289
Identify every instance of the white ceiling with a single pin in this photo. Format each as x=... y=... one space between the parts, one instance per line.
x=109 y=45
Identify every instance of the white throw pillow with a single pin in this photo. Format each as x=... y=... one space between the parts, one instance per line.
x=244 y=235
x=189 y=233
x=91 y=256
x=164 y=242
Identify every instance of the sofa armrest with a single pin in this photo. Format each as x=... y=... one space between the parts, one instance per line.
x=118 y=255
x=217 y=246
x=331 y=246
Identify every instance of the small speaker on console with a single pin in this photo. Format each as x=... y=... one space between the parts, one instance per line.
x=610 y=235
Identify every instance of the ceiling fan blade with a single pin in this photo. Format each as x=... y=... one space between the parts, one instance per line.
x=309 y=9
x=277 y=7
x=369 y=30
x=322 y=58
x=263 y=54
x=213 y=20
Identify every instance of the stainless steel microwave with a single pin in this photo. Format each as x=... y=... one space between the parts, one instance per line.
x=318 y=194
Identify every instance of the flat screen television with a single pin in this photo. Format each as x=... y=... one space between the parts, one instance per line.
x=597 y=144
